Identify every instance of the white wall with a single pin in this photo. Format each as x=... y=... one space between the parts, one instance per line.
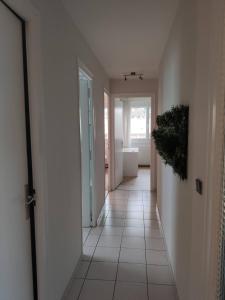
x=185 y=79
x=61 y=43
x=146 y=86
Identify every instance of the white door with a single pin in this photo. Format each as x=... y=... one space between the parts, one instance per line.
x=15 y=250
x=86 y=149
x=118 y=129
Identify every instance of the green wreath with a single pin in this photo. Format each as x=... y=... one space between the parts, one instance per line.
x=171 y=138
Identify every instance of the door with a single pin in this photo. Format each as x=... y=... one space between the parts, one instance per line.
x=107 y=148
x=86 y=136
x=15 y=232
x=118 y=132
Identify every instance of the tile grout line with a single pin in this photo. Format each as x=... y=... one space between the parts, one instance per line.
x=146 y=265
x=118 y=264
x=85 y=277
x=120 y=248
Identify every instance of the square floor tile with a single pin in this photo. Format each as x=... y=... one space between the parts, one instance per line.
x=81 y=269
x=118 y=194
x=108 y=230
x=135 y=194
x=87 y=253
x=116 y=201
x=160 y=274
x=133 y=242
x=146 y=194
x=114 y=222
x=91 y=240
x=106 y=254
x=130 y=291
x=132 y=272
x=115 y=206
x=150 y=216
x=154 y=224
x=136 y=205
x=134 y=208
x=109 y=241
x=134 y=223
x=155 y=244
x=134 y=215
x=134 y=231
x=102 y=270
x=162 y=292
x=97 y=290
x=117 y=214
x=85 y=232
x=156 y=257
x=132 y=256
x=75 y=289
x=134 y=201
x=153 y=233
x=96 y=230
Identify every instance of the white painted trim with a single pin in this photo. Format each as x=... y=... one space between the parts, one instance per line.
x=71 y=283
x=112 y=142
x=35 y=75
x=101 y=216
x=82 y=67
x=153 y=177
x=109 y=148
x=107 y=91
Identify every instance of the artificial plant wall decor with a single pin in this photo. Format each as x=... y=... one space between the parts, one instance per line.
x=171 y=138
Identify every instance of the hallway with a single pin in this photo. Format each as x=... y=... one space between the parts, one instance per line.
x=125 y=258
x=90 y=91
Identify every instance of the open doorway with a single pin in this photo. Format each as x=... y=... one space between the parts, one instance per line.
x=86 y=141
x=107 y=148
x=132 y=133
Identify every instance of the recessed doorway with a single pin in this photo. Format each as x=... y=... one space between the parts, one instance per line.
x=107 y=141
x=132 y=142
x=86 y=142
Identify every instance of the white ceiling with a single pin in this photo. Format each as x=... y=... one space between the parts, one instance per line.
x=125 y=35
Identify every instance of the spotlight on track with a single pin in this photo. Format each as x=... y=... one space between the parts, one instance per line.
x=132 y=75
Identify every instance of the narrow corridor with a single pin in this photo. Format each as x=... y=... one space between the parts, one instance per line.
x=125 y=258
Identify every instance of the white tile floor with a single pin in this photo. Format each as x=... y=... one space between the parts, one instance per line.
x=125 y=258
x=141 y=182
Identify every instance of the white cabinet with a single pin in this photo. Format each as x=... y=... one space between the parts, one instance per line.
x=130 y=161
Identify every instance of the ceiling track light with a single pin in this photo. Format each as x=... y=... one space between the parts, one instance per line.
x=132 y=75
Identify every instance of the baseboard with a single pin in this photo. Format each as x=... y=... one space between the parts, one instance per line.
x=67 y=291
x=165 y=242
x=102 y=216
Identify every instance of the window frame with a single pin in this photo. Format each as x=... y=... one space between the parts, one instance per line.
x=147 y=108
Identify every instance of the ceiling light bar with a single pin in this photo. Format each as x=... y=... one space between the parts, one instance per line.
x=132 y=74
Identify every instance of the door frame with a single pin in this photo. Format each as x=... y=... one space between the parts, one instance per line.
x=31 y=18
x=83 y=68
x=153 y=162
x=109 y=140
x=30 y=197
x=30 y=14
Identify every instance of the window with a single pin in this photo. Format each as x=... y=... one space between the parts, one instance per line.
x=140 y=121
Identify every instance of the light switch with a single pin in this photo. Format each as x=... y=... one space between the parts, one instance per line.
x=199 y=185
